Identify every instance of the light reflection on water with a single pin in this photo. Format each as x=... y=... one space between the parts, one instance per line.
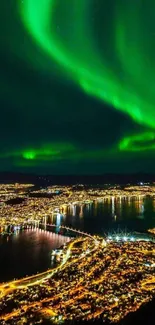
x=29 y=252
x=136 y=213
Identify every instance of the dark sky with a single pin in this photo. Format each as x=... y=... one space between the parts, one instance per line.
x=77 y=86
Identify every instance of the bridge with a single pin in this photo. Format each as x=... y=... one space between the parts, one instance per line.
x=76 y=231
x=38 y=224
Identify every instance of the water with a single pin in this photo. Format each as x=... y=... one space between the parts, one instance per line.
x=133 y=214
x=29 y=252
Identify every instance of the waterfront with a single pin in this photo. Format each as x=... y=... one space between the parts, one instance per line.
x=48 y=223
x=95 y=279
x=27 y=252
x=110 y=214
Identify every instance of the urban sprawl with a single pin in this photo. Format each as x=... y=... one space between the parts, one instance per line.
x=94 y=277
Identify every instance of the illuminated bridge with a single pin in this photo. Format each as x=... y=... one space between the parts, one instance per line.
x=70 y=229
x=54 y=228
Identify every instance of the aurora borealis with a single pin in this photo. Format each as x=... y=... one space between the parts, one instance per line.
x=77 y=85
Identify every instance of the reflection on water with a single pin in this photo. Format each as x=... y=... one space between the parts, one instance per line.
x=132 y=213
x=27 y=252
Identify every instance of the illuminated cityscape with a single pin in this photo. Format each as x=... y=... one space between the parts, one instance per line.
x=37 y=205
x=77 y=162
x=92 y=277
x=95 y=278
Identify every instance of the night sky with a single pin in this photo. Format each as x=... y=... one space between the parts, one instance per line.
x=77 y=91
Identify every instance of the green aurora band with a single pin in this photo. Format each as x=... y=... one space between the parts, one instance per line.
x=130 y=87
x=51 y=152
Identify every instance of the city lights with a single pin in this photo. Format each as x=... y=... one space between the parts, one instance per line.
x=90 y=282
x=95 y=276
